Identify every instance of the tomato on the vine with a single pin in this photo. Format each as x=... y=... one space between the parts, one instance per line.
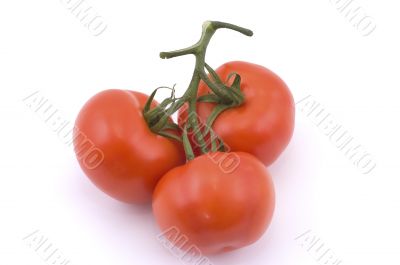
x=223 y=197
x=218 y=201
x=133 y=157
x=263 y=124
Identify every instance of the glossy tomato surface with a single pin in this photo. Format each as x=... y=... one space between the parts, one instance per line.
x=116 y=149
x=263 y=125
x=218 y=201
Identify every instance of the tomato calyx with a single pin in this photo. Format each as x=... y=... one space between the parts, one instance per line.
x=224 y=95
x=158 y=118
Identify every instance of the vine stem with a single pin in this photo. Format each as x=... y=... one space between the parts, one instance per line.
x=227 y=96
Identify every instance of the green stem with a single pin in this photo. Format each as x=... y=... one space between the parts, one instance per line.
x=199 y=51
x=230 y=98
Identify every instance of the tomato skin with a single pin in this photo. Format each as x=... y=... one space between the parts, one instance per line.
x=263 y=125
x=216 y=210
x=134 y=158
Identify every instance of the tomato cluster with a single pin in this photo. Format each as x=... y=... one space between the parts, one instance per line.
x=205 y=176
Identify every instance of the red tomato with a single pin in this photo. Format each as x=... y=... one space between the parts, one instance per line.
x=264 y=123
x=218 y=201
x=117 y=150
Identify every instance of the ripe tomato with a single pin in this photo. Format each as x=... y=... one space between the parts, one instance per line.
x=131 y=158
x=264 y=123
x=218 y=201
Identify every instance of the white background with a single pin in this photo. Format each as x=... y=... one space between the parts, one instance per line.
x=310 y=44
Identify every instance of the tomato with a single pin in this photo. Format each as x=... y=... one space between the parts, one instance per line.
x=130 y=157
x=264 y=123
x=217 y=201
